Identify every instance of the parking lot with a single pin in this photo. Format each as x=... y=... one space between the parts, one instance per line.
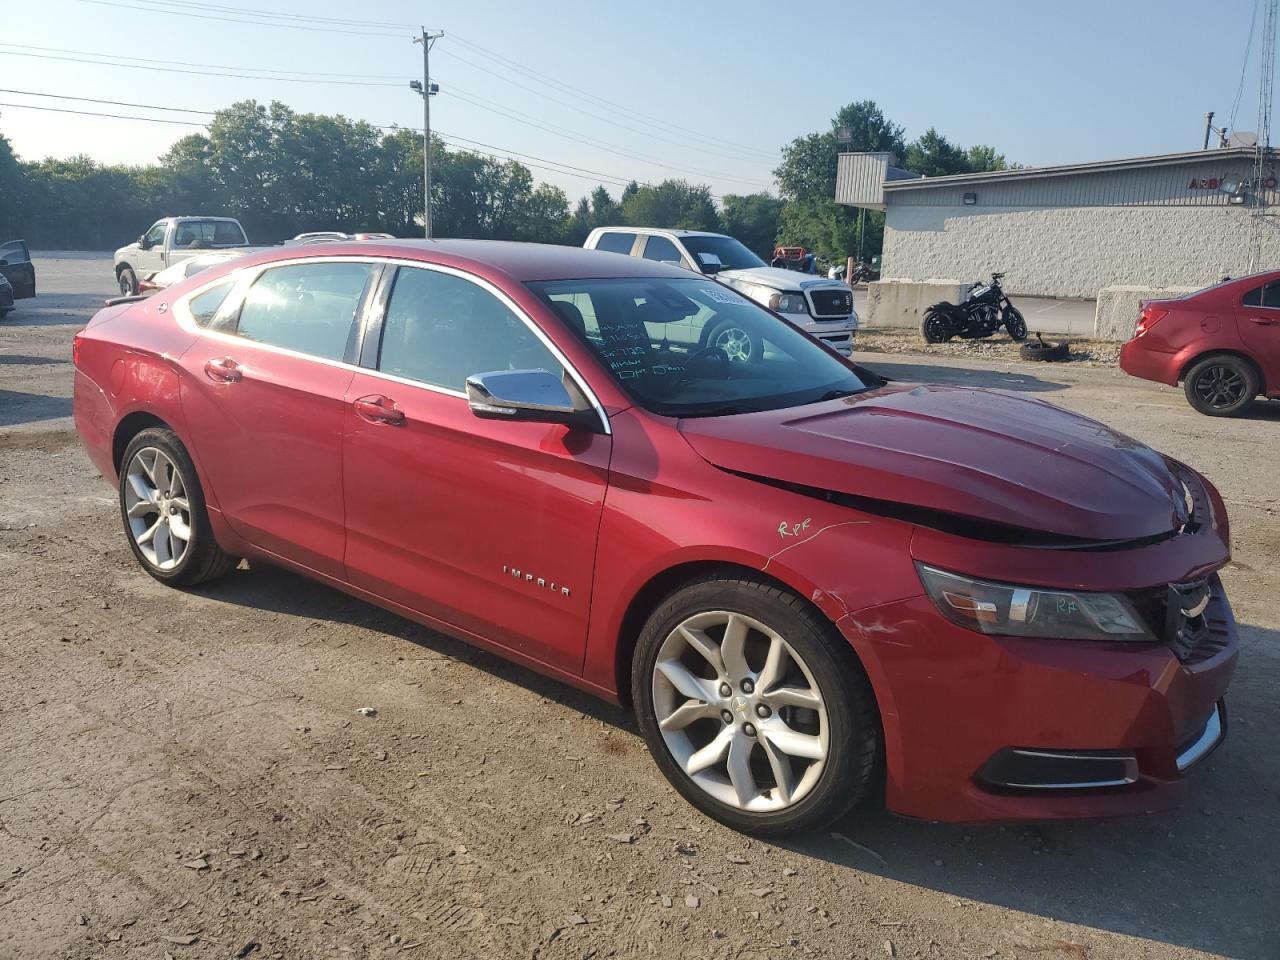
x=186 y=773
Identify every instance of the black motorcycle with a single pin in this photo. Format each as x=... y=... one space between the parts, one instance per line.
x=984 y=311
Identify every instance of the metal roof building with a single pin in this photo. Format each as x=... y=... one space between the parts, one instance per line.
x=1173 y=220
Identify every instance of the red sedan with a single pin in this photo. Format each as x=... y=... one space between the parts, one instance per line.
x=1222 y=344
x=809 y=584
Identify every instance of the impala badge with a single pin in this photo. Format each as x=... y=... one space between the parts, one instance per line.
x=534 y=580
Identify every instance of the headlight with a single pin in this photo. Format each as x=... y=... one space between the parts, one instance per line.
x=1010 y=610
x=788 y=303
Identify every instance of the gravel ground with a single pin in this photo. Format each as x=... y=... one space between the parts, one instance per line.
x=186 y=774
x=998 y=347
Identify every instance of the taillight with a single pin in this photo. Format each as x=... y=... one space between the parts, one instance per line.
x=75 y=348
x=1149 y=317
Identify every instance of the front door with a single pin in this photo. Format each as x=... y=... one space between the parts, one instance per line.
x=151 y=260
x=1258 y=321
x=265 y=404
x=486 y=525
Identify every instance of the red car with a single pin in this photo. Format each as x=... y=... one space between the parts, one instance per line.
x=1222 y=344
x=809 y=584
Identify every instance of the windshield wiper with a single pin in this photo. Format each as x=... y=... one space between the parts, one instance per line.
x=836 y=395
x=727 y=410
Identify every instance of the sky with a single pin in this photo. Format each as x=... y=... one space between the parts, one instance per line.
x=709 y=92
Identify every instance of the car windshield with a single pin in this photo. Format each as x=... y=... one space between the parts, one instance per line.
x=733 y=255
x=695 y=348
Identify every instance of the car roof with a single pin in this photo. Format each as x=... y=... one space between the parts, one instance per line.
x=521 y=262
x=676 y=232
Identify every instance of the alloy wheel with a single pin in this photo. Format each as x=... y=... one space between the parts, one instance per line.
x=740 y=711
x=157 y=508
x=1219 y=387
x=736 y=344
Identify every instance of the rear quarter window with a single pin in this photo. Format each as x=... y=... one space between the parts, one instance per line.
x=204 y=306
x=616 y=242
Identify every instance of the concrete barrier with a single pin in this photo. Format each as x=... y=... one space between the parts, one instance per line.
x=902 y=303
x=1118 y=309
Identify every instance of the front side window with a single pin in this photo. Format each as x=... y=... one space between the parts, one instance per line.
x=616 y=242
x=307 y=307
x=155 y=236
x=441 y=329
x=693 y=348
x=662 y=250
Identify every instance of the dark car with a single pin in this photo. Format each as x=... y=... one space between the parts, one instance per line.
x=1221 y=343
x=810 y=585
x=17 y=268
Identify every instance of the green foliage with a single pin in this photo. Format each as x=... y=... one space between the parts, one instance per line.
x=672 y=203
x=754 y=219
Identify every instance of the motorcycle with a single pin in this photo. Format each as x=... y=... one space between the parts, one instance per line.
x=985 y=310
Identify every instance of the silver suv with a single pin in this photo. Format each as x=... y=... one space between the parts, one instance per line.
x=821 y=308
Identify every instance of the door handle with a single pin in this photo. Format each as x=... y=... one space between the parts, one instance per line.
x=379 y=409
x=1265 y=321
x=223 y=370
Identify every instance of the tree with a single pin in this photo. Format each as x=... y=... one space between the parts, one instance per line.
x=599 y=210
x=14 y=190
x=932 y=155
x=754 y=219
x=672 y=203
x=982 y=158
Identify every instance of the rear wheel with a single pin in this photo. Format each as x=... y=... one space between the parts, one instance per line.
x=162 y=506
x=754 y=710
x=128 y=281
x=935 y=328
x=739 y=345
x=1221 y=386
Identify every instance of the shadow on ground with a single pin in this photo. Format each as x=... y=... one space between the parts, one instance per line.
x=1192 y=877
x=962 y=376
x=17 y=407
x=21 y=360
x=65 y=309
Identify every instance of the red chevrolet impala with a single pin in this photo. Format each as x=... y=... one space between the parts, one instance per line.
x=807 y=583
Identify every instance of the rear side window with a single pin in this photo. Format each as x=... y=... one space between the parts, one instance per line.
x=441 y=329
x=204 y=306
x=1267 y=295
x=616 y=242
x=660 y=248
x=225 y=232
x=307 y=307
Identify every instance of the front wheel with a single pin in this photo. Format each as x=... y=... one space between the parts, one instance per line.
x=1222 y=386
x=128 y=281
x=1014 y=323
x=162 y=505
x=935 y=328
x=754 y=708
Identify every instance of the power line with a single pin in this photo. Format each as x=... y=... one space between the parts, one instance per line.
x=541 y=163
x=345 y=31
x=516 y=67
x=212 y=66
x=308 y=17
x=1244 y=67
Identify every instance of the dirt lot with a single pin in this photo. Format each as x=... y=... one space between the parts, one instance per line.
x=185 y=774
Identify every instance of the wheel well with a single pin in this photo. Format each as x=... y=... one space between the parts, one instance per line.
x=651 y=594
x=127 y=429
x=1186 y=367
x=120 y=268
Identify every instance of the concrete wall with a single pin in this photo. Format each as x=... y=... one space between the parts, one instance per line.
x=1075 y=251
x=1117 y=309
x=902 y=303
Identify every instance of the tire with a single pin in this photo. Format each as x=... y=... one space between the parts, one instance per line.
x=1014 y=324
x=150 y=462
x=1039 y=350
x=934 y=328
x=128 y=281
x=782 y=792
x=1222 y=386
x=739 y=345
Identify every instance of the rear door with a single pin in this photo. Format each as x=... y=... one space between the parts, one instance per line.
x=264 y=395
x=16 y=267
x=486 y=525
x=1258 y=321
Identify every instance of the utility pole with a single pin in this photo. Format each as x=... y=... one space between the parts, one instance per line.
x=428 y=90
x=1208 y=129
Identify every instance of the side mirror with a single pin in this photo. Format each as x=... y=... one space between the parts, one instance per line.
x=711 y=263
x=532 y=396
x=142 y=243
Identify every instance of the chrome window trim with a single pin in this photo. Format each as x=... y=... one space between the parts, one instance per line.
x=250 y=275
x=1209 y=738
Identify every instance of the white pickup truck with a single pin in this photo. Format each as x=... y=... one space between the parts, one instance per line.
x=820 y=307
x=171 y=241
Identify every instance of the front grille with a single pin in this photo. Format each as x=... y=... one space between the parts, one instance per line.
x=1192 y=638
x=835 y=303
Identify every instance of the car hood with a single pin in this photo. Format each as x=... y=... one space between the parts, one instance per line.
x=980 y=454
x=780 y=279
x=127 y=248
